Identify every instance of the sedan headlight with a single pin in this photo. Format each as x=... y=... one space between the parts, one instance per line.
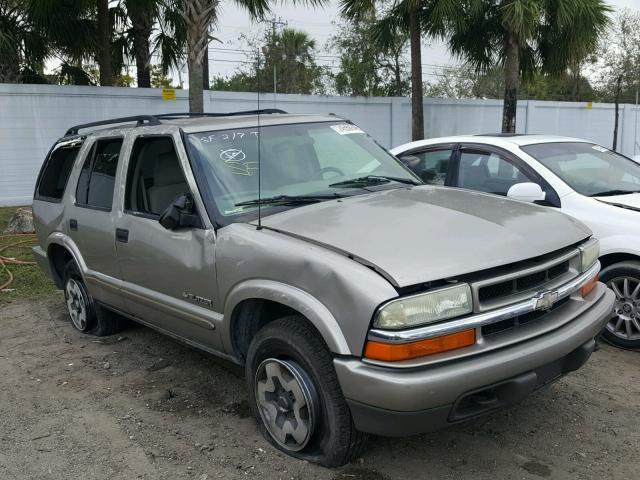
x=429 y=307
x=589 y=254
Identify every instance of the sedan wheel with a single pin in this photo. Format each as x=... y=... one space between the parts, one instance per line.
x=625 y=324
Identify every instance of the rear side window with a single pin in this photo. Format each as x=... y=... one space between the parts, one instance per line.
x=56 y=171
x=97 y=177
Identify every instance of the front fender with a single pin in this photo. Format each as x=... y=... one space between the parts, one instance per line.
x=629 y=244
x=314 y=310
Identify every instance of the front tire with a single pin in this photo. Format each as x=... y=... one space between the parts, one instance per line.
x=295 y=395
x=623 y=329
x=86 y=316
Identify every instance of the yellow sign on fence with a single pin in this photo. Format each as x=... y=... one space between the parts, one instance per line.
x=168 y=93
x=589 y=105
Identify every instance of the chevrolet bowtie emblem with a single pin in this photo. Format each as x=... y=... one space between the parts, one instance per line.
x=545 y=300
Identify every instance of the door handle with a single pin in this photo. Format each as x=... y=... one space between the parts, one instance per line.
x=122 y=235
x=73 y=224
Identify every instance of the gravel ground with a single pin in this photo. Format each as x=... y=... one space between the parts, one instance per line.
x=140 y=405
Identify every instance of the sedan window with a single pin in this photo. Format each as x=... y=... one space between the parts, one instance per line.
x=488 y=172
x=431 y=166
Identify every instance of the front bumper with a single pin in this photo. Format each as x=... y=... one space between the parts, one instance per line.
x=394 y=402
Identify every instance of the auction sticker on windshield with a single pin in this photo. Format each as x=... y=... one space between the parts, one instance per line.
x=346 y=129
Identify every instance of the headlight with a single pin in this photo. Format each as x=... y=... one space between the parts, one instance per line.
x=589 y=254
x=424 y=308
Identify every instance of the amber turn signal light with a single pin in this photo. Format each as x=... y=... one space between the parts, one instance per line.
x=590 y=285
x=395 y=352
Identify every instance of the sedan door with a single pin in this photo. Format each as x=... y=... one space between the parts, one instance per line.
x=492 y=170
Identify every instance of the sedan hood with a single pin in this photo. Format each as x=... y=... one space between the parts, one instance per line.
x=630 y=201
x=419 y=234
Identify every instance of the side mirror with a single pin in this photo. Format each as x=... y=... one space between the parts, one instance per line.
x=526 y=192
x=180 y=214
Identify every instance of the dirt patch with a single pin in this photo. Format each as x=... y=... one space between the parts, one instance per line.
x=140 y=405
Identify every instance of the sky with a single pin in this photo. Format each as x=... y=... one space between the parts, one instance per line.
x=319 y=23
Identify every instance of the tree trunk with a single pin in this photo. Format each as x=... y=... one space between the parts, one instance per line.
x=104 y=44
x=142 y=23
x=197 y=15
x=398 y=75
x=511 y=86
x=617 y=114
x=206 y=85
x=417 y=114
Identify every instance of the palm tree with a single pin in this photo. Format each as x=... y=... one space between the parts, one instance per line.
x=291 y=51
x=156 y=26
x=526 y=35
x=199 y=16
x=418 y=18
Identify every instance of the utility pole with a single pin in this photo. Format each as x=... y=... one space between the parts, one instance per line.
x=275 y=22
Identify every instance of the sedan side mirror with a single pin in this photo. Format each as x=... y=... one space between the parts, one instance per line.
x=180 y=214
x=526 y=192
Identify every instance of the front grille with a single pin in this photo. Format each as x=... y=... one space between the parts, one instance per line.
x=523 y=319
x=533 y=279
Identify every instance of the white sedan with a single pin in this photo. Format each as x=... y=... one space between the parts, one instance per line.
x=587 y=181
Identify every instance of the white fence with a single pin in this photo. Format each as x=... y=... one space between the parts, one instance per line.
x=32 y=117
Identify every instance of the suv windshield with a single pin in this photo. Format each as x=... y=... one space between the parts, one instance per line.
x=320 y=160
x=589 y=169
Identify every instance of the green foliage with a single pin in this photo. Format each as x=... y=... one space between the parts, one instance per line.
x=616 y=64
x=455 y=82
x=290 y=52
x=550 y=35
x=366 y=67
x=159 y=78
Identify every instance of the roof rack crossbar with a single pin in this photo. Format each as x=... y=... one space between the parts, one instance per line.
x=140 y=119
x=264 y=111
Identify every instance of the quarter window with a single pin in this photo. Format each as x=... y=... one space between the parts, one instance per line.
x=97 y=177
x=56 y=171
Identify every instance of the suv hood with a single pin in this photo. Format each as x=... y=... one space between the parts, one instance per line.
x=419 y=234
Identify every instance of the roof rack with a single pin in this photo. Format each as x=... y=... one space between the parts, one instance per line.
x=140 y=119
x=264 y=111
x=155 y=119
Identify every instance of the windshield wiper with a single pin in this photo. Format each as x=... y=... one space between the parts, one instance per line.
x=611 y=193
x=288 y=200
x=373 y=180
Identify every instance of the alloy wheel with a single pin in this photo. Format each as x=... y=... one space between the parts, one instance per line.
x=625 y=323
x=76 y=304
x=287 y=402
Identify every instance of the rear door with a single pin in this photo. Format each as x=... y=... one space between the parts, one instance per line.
x=92 y=216
x=433 y=163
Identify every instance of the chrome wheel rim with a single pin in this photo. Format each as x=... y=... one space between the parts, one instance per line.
x=625 y=323
x=76 y=304
x=287 y=402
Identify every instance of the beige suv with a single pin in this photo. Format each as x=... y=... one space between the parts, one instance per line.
x=358 y=299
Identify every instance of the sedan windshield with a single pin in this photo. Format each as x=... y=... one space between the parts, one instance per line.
x=589 y=169
x=312 y=161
